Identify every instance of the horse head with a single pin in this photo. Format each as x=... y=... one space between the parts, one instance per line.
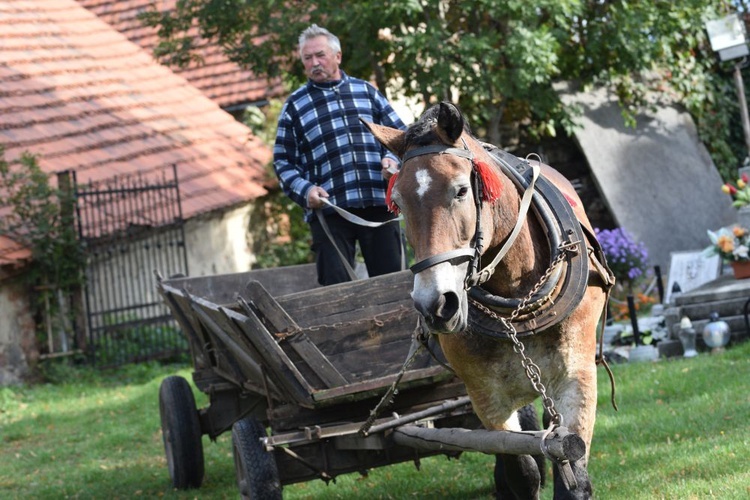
x=436 y=190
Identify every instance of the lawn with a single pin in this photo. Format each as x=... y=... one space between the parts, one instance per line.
x=680 y=433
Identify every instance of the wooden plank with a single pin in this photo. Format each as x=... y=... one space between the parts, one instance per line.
x=372 y=362
x=349 y=301
x=374 y=387
x=241 y=354
x=275 y=359
x=271 y=311
x=222 y=288
x=190 y=326
x=366 y=332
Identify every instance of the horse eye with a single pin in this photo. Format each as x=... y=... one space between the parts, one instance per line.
x=462 y=192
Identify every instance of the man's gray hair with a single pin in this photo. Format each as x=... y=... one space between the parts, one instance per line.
x=315 y=31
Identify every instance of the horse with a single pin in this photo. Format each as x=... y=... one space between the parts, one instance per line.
x=534 y=309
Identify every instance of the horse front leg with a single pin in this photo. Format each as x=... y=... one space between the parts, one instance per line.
x=517 y=477
x=520 y=477
x=578 y=405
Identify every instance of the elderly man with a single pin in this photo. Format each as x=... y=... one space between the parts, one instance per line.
x=323 y=151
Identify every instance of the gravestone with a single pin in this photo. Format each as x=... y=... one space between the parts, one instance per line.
x=657 y=179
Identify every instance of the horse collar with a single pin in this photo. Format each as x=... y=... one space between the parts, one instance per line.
x=565 y=286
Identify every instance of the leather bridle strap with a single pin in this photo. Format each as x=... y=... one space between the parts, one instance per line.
x=437 y=149
x=456 y=256
x=485 y=274
x=478 y=277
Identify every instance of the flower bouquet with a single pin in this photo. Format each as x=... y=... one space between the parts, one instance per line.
x=732 y=244
x=740 y=192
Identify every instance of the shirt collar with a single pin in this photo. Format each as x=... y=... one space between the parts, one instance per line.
x=331 y=84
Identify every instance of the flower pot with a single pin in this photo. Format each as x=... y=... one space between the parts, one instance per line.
x=741 y=270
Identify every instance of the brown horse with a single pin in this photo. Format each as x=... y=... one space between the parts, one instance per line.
x=462 y=201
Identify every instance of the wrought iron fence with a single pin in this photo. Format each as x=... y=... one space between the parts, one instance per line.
x=130 y=227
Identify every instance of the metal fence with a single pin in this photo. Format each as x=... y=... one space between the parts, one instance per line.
x=130 y=228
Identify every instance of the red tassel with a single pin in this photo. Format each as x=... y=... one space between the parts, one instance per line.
x=392 y=207
x=491 y=185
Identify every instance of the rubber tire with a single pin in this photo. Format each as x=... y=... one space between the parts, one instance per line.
x=181 y=433
x=257 y=474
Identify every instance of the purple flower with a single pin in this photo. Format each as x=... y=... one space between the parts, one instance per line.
x=627 y=258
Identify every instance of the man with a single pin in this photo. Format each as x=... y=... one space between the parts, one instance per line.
x=323 y=151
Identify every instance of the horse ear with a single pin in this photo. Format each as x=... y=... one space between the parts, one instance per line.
x=391 y=138
x=450 y=123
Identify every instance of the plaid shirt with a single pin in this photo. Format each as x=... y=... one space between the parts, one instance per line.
x=320 y=141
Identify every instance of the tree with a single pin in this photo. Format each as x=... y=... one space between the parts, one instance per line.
x=497 y=60
x=40 y=217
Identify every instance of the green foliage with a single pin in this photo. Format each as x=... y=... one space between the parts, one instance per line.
x=263 y=121
x=292 y=244
x=128 y=340
x=40 y=218
x=497 y=60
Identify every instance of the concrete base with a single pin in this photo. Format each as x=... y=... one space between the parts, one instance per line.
x=726 y=295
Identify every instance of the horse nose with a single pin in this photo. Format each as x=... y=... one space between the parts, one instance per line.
x=443 y=308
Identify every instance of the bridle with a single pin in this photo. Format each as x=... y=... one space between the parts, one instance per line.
x=475 y=275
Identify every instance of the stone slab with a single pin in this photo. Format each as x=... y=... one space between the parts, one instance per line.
x=657 y=179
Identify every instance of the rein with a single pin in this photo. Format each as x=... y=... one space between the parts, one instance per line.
x=475 y=276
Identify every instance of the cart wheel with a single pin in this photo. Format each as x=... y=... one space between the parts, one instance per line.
x=181 y=432
x=257 y=475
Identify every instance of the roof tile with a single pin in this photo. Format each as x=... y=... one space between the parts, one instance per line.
x=223 y=81
x=81 y=96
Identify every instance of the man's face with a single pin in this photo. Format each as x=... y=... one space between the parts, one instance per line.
x=321 y=63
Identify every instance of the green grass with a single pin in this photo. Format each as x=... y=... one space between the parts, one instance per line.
x=681 y=433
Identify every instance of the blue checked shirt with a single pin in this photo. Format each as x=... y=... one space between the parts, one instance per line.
x=320 y=141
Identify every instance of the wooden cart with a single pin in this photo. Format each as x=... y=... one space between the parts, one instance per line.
x=275 y=352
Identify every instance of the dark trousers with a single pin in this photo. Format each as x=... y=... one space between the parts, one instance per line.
x=381 y=247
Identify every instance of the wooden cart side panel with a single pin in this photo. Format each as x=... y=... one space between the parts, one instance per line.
x=237 y=351
x=221 y=288
x=279 y=321
x=280 y=367
x=374 y=387
x=363 y=328
x=199 y=344
x=349 y=301
x=379 y=360
x=408 y=400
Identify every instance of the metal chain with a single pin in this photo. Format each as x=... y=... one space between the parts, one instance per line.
x=377 y=320
x=532 y=370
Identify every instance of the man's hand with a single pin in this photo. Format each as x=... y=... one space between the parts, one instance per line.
x=390 y=167
x=314 y=196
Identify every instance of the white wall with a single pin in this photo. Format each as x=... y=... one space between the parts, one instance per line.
x=220 y=243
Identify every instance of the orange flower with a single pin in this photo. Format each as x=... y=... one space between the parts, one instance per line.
x=738 y=231
x=725 y=243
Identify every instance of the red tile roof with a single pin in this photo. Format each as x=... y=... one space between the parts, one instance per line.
x=223 y=81
x=82 y=97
